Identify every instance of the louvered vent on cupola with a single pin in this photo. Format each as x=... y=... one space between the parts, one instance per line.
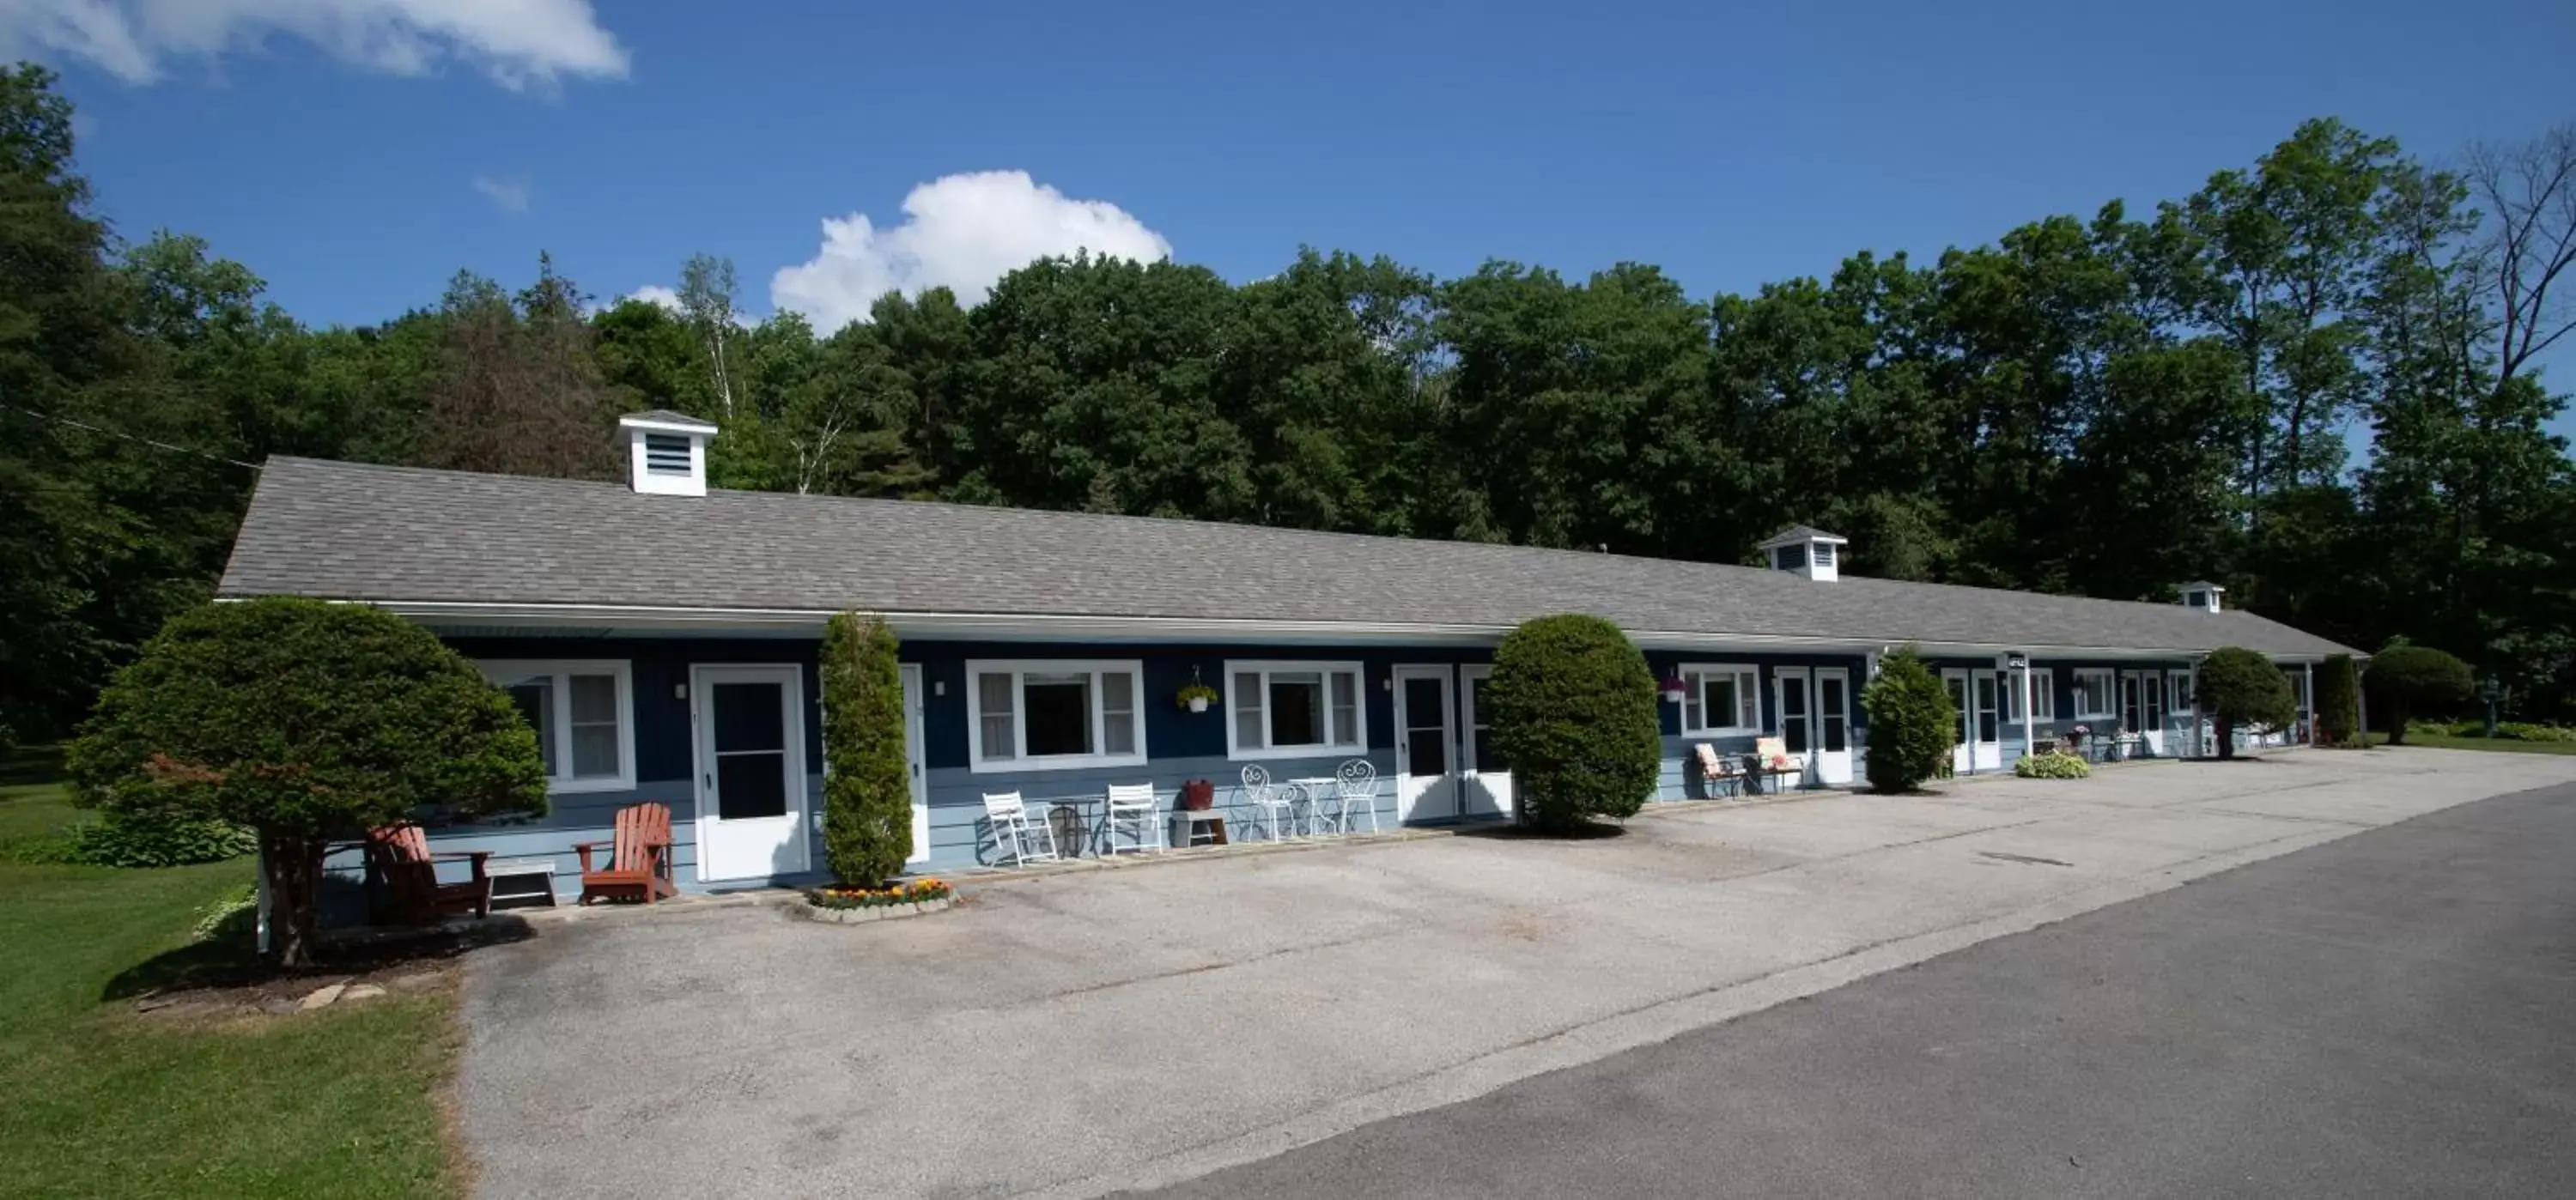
x=667 y=452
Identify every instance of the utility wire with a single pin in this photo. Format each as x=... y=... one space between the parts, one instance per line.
x=83 y=425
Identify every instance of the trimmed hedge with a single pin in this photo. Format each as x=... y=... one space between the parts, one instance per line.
x=2338 y=701
x=1573 y=710
x=867 y=785
x=1911 y=723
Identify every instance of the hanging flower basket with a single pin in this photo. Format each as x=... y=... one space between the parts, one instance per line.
x=1197 y=696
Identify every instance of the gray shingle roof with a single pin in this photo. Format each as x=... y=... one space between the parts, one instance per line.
x=346 y=531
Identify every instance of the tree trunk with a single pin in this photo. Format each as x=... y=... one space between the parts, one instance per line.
x=2226 y=730
x=294 y=868
x=2396 y=721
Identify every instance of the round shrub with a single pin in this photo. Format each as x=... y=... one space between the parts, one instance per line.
x=2406 y=677
x=1912 y=723
x=2241 y=689
x=1573 y=711
x=307 y=722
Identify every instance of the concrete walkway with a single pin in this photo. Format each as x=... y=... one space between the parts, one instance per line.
x=1081 y=1033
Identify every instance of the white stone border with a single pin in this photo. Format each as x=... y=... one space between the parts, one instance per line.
x=874 y=912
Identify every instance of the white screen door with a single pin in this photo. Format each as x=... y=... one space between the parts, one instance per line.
x=751 y=772
x=1833 y=725
x=1426 y=779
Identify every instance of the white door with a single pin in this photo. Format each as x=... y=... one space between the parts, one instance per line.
x=2178 y=715
x=914 y=718
x=1833 y=725
x=1793 y=699
x=1426 y=787
x=2152 y=711
x=751 y=771
x=1485 y=782
x=1989 y=731
x=1962 y=757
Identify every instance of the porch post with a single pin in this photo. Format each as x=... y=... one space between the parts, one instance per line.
x=2028 y=744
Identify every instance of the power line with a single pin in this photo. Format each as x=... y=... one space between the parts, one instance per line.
x=157 y=445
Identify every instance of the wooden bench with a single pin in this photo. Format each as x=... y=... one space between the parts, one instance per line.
x=639 y=859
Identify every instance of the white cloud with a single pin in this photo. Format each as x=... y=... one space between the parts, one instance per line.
x=508 y=195
x=654 y=293
x=519 y=43
x=963 y=232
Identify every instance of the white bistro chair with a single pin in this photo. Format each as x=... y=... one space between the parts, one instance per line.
x=1014 y=834
x=1273 y=806
x=1356 y=793
x=1132 y=807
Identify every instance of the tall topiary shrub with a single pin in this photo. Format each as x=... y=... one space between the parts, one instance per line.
x=2241 y=689
x=307 y=722
x=2338 y=702
x=2404 y=678
x=1573 y=710
x=867 y=786
x=1912 y=723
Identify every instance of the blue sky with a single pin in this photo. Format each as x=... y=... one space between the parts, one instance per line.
x=339 y=154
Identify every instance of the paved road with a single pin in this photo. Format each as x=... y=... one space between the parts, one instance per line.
x=2390 y=1014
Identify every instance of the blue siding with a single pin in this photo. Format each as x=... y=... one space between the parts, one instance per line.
x=1182 y=746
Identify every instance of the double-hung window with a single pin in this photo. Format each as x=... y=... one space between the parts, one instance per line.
x=2094 y=694
x=2043 y=695
x=584 y=715
x=1721 y=699
x=1295 y=709
x=1048 y=714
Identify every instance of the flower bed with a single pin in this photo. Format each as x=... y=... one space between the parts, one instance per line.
x=845 y=905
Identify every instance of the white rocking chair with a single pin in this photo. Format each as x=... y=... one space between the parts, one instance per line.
x=1014 y=834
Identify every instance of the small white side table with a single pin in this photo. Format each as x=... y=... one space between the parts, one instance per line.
x=520 y=868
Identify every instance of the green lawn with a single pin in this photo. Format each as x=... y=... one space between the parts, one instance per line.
x=2443 y=741
x=102 y=1102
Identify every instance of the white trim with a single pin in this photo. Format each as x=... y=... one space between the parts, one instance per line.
x=2097 y=703
x=501 y=672
x=1265 y=668
x=1060 y=625
x=1019 y=669
x=1699 y=699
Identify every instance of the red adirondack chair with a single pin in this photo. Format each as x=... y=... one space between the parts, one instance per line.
x=639 y=861
x=402 y=858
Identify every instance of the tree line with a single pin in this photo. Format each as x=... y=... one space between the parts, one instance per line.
x=2314 y=380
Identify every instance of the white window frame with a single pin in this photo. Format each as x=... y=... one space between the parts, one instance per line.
x=2043 y=695
x=502 y=672
x=1748 y=685
x=1266 y=667
x=1019 y=670
x=2107 y=696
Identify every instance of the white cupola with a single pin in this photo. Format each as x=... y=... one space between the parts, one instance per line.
x=666 y=452
x=1806 y=550
x=2200 y=594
